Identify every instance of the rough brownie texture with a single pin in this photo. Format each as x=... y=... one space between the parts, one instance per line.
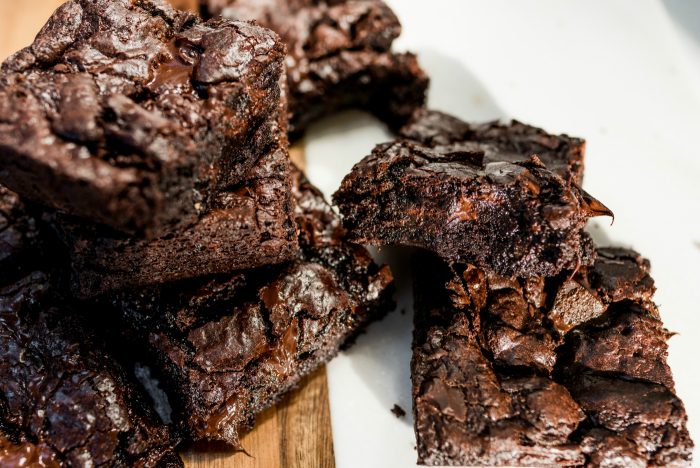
x=21 y=240
x=248 y=225
x=230 y=346
x=567 y=371
x=63 y=400
x=490 y=202
x=513 y=142
x=339 y=56
x=129 y=113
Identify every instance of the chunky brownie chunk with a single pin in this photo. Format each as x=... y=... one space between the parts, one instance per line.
x=339 y=56
x=514 y=142
x=248 y=225
x=479 y=202
x=129 y=113
x=63 y=399
x=533 y=372
x=230 y=346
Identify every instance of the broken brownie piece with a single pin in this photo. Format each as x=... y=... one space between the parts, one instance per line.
x=230 y=346
x=248 y=225
x=130 y=113
x=491 y=201
x=567 y=371
x=339 y=56
x=63 y=399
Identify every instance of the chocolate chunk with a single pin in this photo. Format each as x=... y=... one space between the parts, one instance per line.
x=230 y=346
x=63 y=399
x=496 y=382
x=398 y=411
x=339 y=56
x=503 y=212
x=132 y=114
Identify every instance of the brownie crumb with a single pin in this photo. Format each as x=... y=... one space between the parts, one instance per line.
x=398 y=411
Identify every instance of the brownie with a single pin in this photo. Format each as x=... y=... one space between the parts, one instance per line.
x=491 y=201
x=229 y=346
x=566 y=371
x=131 y=114
x=21 y=239
x=339 y=56
x=248 y=225
x=64 y=401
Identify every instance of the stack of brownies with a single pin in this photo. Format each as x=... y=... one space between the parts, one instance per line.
x=151 y=219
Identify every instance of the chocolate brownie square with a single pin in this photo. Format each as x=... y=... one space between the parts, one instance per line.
x=64 y=401
x=248 y=225
x=566 y=371
x=339 y=56
x=479 y=195
x=132 y=114
x=229 y=346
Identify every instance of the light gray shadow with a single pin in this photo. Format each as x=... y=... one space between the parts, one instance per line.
x=686 y=13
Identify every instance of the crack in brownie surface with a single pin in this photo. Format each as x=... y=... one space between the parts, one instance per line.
x=231 y=345
x=130 y=113
x=483 y=197
x=567 y=371
x=339 y=56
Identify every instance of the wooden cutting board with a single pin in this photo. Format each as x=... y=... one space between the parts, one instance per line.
x=296 y=433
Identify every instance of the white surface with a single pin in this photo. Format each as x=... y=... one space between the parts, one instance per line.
x=623 y=74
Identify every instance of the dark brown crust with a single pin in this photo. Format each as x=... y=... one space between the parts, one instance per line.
x=129 y=113
x=21 y=242
x=63 y=399
x=231 y=346
x=490 y=201
x=534 y=372
x=339 y=57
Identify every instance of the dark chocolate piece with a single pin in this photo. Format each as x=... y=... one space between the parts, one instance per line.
x=339 y=56
x=248 y=225
x=534 y=372
x=230 y=346
x=63 y=400
x=131 y=113
x=484 y=201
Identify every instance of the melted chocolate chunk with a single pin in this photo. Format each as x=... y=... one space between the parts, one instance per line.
x=230 y=346
x=568 y=371
x=63 y=400
x=132 y=114
x=503 y=211
x=339 y=56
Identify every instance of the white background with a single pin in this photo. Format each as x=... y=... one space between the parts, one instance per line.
x=625 y=75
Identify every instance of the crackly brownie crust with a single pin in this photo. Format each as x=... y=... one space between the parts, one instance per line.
x=485 y=202
x=129 y=113
x=567 y=371
x=230 y=346
x=63 y=400
x=511 y=142
x=248 y=225
x=339 y=56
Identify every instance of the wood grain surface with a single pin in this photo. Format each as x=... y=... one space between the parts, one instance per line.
x=294 y=434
